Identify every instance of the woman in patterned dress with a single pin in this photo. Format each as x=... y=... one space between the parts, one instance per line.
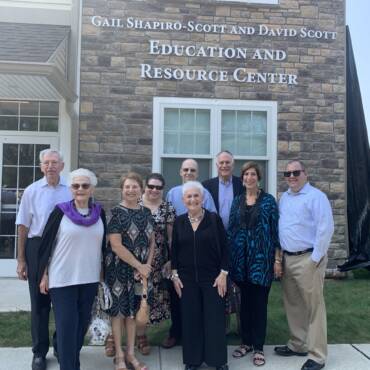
x=129 y=257
x=255 y=250
x=164 y=215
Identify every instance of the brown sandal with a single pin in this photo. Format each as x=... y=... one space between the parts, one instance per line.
x=242 y=351
x=119 y=363
x=134 y=364
x=110 y=350
x=143 y=344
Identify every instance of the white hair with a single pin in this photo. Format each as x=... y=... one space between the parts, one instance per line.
x=83 y=172
x=192 y=185
x=44 y=152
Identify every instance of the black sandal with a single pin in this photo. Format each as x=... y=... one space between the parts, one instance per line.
x=258 y=358
x=241 y=351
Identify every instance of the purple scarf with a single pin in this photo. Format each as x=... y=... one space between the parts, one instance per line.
x=69 y=209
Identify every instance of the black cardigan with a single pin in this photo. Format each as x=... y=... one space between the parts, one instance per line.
x=199 y=256
x=49 y=235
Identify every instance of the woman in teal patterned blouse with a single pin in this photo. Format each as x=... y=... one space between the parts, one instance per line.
x=253 y=240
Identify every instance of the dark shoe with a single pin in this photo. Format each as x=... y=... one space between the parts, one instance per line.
x=287 y=352
x=38 y=363
x=191 y=367
x=169 y=342
x=223 y=367
x=312 y=365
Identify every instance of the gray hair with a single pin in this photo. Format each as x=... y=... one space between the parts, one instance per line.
x=83 y=172
x=192 y=185
x=225 y=152
x=44 y=152
x=297 y=161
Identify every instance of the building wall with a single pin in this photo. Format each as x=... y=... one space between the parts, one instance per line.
x=116 y=112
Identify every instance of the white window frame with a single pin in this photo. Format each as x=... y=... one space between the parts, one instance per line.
x=216 y=106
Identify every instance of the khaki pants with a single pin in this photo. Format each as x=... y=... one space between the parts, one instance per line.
x=303 y=285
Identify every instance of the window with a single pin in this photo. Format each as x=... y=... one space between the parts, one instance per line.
x=40 y=116
x=200 y=128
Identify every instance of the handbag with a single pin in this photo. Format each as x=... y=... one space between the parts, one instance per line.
x=142 y=315
x=104 y=297
x=100 y=326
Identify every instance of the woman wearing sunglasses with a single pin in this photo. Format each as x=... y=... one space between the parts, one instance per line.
x=163 y=215
x=255 y=257
x=69 y=269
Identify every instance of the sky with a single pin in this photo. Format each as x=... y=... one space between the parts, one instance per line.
x=357 y=18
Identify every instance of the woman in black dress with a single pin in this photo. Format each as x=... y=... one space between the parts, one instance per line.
x=199 y=273
x=128 y=259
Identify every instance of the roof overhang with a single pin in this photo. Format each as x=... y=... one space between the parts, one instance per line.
x=30 y=80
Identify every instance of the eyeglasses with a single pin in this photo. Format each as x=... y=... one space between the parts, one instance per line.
x=295 y=173
x=49 y=163
x=82 y=186
x=189 y=169
x=156 y=187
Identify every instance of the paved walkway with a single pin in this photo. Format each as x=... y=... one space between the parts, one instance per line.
x=14 y=297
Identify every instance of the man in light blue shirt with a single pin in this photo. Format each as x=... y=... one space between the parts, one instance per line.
x=305 y=229
x=188 y=172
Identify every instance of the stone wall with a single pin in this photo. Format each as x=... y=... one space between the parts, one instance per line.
x=117 y=104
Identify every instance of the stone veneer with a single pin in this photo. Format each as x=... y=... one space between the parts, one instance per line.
x=116 y=103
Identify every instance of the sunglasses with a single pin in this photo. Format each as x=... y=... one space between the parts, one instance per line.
x=295 y=173
x=156 y=187
x=82 y=186
x=189 y=169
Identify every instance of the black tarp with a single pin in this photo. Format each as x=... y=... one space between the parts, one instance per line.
x=358 y=171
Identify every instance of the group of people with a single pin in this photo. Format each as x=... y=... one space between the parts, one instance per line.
x=188 y=249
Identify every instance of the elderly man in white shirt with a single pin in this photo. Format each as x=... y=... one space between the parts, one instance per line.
x=305 y=229
x=37 y=202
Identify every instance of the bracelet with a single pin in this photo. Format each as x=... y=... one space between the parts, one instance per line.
x=277 y=261
x=174 y=276
x=224 y=272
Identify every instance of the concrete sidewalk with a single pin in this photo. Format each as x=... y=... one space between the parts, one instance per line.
x=341 y=357
x=14 y=297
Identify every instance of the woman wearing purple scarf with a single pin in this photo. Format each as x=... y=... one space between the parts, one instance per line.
x=70 y=258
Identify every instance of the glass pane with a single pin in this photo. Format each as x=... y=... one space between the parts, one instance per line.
x=259 y=145
x=228 y=121
x=7 y=224
x=187 y=144
x=243 y=121
x=25 y=176
x=28 y=124
x=171 y=119
x=259 y=122
x=8 y=108
x=49 y=124
x=203 y=119
x=187 y=120
x=170 y=143
x=228 y=142
x=8 y=200
x=202 y=145
x=171 y=169
x=243 y=144
x=7 y=247
x=8 y=123
x=263 y=166
x=9 y=177
x=26 y=154
x=30 y=108
x=10 y=154
x=38 y=174
x=49 y=108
